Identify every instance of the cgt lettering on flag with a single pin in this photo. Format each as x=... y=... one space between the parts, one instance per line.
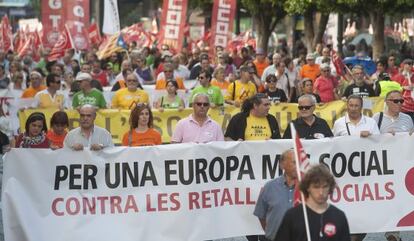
x=222 y=26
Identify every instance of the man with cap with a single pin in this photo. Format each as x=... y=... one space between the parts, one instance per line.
x=406 y=80
x=325 y=85
x=87 y=94
x=261 y=62
x=241 y=89
x=310 y=69
x=36 y=85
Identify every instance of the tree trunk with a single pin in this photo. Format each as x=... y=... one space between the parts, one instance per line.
x=340 y=33
x=263 y=32
x=377 y=21
x=321 y=29
x=309 y=31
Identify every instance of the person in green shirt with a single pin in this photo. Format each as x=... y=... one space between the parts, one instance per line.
x=87 y=94
x=213 y=92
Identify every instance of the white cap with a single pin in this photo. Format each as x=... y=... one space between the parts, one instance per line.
x=83 y=76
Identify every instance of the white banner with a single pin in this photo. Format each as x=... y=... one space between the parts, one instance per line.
x=111 y=24
x=194 y=192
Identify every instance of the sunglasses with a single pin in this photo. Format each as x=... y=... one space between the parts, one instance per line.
x=271 y=81
x=168 y=71
x=205 y=104
x=57 y=82
x=131 y=80
x=396 y=101
x=201 y=77
x=305 y=107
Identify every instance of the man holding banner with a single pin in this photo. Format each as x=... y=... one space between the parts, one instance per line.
x=326 y=222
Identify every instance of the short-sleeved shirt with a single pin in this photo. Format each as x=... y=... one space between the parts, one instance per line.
x=257 y=128
x=222 y=85
x=43 y=99
x=310 y=71
x=319 y=129
x=94 y=97
x=273 y=202
x=189 y=130
x=99 y=135
x=55 y=139
x=344 y=127
x=325 y=87
x=276 y=96
x=261 y=66
x=403 y=123
x=241 y=91
x=124 y=98
x=363 y=91
x=162 y=83
x=149 y=138
x=213 y=92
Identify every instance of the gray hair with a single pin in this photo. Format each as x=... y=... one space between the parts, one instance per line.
x=201 y=95
x=308 y=96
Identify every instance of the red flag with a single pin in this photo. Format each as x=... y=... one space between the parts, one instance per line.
x=222 y=22
x=339 y=65
x=94 y=34
x=174 y=16
x=7 y=35
x=302 y=164
x=27 y=48
x=64 y=43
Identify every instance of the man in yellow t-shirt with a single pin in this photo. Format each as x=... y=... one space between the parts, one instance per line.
x=242 y=89
x=254 y=121
x=127 y=98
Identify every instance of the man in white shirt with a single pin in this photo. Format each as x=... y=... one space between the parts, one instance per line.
x=354 y=123
x=88 y=135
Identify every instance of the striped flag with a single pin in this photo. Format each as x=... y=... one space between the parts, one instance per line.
x=7 y=35
x=64 y=42
x=27 y=48
x=109 y=46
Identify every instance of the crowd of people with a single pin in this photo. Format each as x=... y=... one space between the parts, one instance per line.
x=249 y=78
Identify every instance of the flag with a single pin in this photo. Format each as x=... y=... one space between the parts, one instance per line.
x=7 y=35
x=302 y=163
x=65 y=42
x=109 y=46
x=27 y=48
x=338 y=63
x=121 y=42
x=111 y=24
x=94 y=34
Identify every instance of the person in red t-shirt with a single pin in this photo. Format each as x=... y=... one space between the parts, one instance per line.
x=59 y=124
x=98 y=74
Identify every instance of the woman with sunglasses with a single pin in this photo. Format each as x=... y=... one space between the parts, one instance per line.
x=325 y=85
x=35 y=132
x=275 y=94
x=171 y=100
x=141 y=131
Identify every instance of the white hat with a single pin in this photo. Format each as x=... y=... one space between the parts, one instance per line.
x=83 y=76
x=325 y=66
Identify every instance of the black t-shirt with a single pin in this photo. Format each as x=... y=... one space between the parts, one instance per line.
x=276 y=96
x=363 y=91
x=318 y=129
x=331 y=225
x=4 y=82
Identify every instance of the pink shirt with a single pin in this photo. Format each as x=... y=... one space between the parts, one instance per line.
x=325 y=88
x=188 y=130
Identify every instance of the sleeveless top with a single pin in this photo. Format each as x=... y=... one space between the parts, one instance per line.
x=166 y=104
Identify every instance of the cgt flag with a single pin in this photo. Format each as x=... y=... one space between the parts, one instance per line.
x=65 y=42
x=338 y=63
x=94 y=34
x=7 y=35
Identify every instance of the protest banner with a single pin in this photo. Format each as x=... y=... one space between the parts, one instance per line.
x=116 y=121
x=172 y=192
x=222 y=22
x=174 y=16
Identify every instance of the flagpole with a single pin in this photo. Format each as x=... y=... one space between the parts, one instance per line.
x=70 y=37
x=298 y=171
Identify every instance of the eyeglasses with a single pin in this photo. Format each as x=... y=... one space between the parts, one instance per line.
x=396 y=101
x=205 y=104
x=305 y=107
x=131 y=80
